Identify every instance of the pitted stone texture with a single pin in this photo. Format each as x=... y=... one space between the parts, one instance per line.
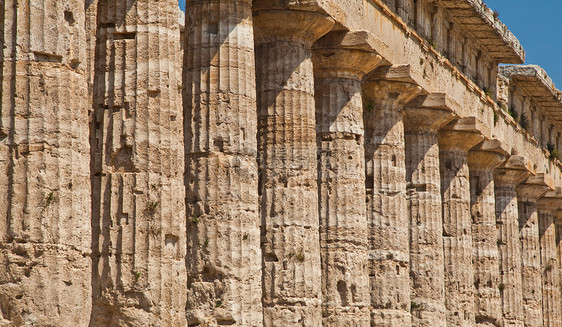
x=137 y=167
x=341 y=183
x=454 y=141
x=44 y=162
x=549 y=265
x=426 y=225
x=509 y=248
x=223 y=245
x=386 y=201
x=457 y=237
x=530 y=262
x=487 y=299
x=287 y=165
x=558 y=227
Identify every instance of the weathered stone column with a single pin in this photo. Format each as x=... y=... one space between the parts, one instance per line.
x=455 y=140
x=482 y=160
x=45 y=237
x=223 y=239
x=340 y=61
x=386 y=93
x=422 y=119
x=506 y=178
x=528 y=193
x=138 y=218
x=287 y=163
x=547 y=206
x=558 y=222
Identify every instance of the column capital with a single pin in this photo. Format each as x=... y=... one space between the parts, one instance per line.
x=535 y=187
x=463 y=134
x=513 y=171
x=346 y=54
x=290 y=25
x=488 y=154
x=392 y=86
x=429 y=112
x=551 y=200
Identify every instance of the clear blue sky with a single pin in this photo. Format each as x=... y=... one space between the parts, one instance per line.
x=538 y=26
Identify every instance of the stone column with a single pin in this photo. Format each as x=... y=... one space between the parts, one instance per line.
x=287 y=164
x=386 y=93
x=547 y=206
x=422 y=119
x=528 y=193
x=482 y=160
x=91 y=33
x=455 y=140
x=45 y=237
x=223 y=238
x=138 y=218
x=340 y=61
x=558 y=222
x=506 y=178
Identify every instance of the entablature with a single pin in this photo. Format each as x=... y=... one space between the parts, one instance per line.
x=483 y=23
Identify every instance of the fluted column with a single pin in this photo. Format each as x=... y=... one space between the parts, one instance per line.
x=547 y=206
x=138 y=217
x=527 y=195
x=386 y=93
x=481 y=162
x=340 y=62
x=506 y=178
x=223 y=238
x=558 y=223
x=455 y=140
x=287 y=164
x=45 y=237
x=422 y=119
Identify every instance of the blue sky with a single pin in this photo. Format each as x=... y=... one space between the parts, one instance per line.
x=538 y=26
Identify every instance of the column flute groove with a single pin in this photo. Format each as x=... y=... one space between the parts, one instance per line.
x=482 y=160
x=287 y=163
x=506 y=178
x=455 y=140
x=223 y=235
x=341 y=59
x=423 y=118
x=45 y=187
x=138 y=200
x=528 y=193
x=386 y=93
x=547 y=206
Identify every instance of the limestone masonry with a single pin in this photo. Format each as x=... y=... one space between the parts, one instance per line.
x=275 y=163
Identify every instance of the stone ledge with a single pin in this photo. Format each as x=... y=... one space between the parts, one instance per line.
x=480 y=20
x=536 y=82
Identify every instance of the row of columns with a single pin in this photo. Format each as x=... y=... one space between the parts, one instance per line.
x=437 y=240
x=312 y=197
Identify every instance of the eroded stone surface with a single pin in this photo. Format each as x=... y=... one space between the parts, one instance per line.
x=341 y=176
x=549 y=261
x=224 y=256
x=287 y=165
x=487 y=300
x=423 y=182
x=386 y=201
x=44 y=162
x=455 y=140
x=138 y=216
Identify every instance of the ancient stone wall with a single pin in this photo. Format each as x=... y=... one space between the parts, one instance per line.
x=275 y=163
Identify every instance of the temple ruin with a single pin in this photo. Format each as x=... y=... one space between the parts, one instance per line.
x=275 y=163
